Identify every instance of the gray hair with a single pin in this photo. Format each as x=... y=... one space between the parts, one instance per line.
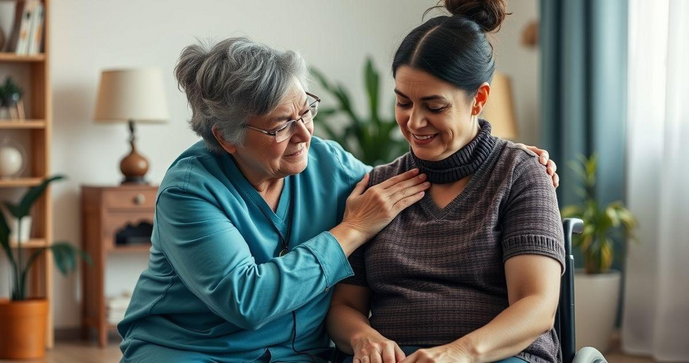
x=231 y=81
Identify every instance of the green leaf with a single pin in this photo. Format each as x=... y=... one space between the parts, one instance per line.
x=14 y=210
x=33 y=194
x=372 y=81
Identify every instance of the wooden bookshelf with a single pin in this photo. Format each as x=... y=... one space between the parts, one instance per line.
x=22 y=124
x=38 y=130
x=11 y=57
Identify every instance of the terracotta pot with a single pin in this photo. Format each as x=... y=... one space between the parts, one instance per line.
x=23 y=328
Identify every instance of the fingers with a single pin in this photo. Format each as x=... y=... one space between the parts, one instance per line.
x=544 y=157
x=375 y=357
x=556 y=180
x=398 y=178
x=551 y=167
x=401 y=187
x=405 y=202
x=399 y=354
x=389 y=354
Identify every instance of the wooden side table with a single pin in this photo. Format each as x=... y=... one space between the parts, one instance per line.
x=108 y=214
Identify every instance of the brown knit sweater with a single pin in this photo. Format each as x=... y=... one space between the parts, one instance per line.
x=438 y=274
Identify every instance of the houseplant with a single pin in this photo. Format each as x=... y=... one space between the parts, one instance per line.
x=597 y=286
x=373 y=139
x=24 y=319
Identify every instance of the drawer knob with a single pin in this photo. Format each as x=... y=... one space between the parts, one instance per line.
x=139 y=199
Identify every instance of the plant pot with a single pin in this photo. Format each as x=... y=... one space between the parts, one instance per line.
x=23 y=328
x=26 y=229
x=596 y=298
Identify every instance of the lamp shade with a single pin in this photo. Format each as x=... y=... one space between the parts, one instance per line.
x=499 y=109
x=131 y=94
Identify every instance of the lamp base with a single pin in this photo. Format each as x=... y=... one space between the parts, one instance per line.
x=134 y=180
x=133 y=166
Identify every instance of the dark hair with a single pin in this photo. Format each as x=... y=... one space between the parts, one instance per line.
x=455 y=48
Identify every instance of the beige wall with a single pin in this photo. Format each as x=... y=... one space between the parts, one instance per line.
x=334 y=36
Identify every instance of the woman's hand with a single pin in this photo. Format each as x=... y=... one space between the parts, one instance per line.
x=443 y=353
x=368 y=211
x=544 y=158
x=375 y=348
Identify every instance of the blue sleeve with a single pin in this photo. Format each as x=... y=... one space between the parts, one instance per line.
x=354 y=168
x=214 y=262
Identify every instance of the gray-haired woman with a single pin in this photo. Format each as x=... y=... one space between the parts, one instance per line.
x=254 y=224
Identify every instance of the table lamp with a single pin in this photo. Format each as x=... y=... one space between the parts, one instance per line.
x=499 y=110
x=132 y=96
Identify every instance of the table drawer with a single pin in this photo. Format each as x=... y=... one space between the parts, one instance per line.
x=130 y=199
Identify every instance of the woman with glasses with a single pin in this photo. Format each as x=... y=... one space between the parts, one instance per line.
x=253 y=224
x=471 y=272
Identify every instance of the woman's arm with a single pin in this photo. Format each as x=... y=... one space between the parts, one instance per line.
x=349 y=327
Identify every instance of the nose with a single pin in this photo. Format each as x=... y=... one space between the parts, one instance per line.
x=416 y=120
x=301 y=132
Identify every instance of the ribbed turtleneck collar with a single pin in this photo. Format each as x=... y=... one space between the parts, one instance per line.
x=462 y=163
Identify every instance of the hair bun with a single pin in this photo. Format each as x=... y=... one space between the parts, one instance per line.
x=489 y=14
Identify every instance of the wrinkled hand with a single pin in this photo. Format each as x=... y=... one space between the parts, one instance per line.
x=376 y=349
x=369 y=211
x=443 y=353
x=544 y=158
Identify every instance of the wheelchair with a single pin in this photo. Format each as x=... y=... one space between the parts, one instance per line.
x=564 y=318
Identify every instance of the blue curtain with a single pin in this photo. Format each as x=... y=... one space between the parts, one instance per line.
x=583 y=46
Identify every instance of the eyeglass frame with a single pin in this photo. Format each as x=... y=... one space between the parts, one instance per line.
x=289 y=123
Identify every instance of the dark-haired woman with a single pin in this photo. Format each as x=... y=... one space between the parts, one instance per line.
x=471 y=272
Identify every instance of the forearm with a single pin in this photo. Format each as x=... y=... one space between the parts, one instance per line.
x=349 y=238
x=510 y=332
x=345 y=324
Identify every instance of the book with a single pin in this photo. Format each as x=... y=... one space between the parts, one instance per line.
x=14 y=35
x=25 y=28
x=36 y=34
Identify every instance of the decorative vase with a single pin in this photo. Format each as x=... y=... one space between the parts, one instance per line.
x=596 y=298
x=23 y=328
x=12 y=157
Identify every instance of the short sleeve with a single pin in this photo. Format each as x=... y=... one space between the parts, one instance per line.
x=532 y=222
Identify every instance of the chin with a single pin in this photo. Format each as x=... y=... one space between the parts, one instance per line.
x=426 y=154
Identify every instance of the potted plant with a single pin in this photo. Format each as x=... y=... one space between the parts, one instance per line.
x=597 y=286
x=24 y=319
x=373 y=139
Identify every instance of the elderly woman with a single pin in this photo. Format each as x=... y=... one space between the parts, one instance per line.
x=470 y=273
x=253 y=224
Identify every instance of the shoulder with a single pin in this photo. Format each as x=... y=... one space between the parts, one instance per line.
x=327 y=160
x=398 y=166
x=517 y=161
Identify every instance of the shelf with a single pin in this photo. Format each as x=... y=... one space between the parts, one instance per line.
x=20 y=182
x=32 y=243
x=22 y=124
x=133 y=248
x=12 y=57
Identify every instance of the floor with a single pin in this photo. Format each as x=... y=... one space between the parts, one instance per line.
x=78 y=351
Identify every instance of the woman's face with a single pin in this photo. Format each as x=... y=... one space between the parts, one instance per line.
x=435 y=117
x=261 y=157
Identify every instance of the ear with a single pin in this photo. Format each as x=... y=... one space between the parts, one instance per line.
x=480 y=99
x=230 y=148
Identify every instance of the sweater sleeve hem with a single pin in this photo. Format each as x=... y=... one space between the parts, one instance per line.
x=534 y=245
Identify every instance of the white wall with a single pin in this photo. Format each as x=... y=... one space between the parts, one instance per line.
x=88 y=36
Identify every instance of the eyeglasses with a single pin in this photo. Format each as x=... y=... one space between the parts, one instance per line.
x=287 y=130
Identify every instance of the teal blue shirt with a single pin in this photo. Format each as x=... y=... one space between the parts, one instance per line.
x=215 y=286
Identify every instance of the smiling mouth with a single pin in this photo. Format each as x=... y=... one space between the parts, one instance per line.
x=297 y=152
x=424 y=137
